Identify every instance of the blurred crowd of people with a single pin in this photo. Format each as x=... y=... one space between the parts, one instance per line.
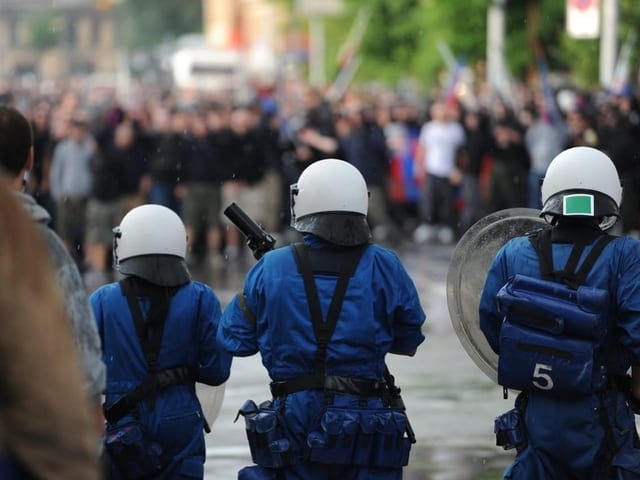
x=433 y=165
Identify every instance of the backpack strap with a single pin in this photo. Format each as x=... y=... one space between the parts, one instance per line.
x=541 y=242
x=592 y=256
x=149 y=332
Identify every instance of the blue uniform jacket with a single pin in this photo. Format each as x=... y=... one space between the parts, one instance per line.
x=567 y=435
x=189 y=339
x=381 y=313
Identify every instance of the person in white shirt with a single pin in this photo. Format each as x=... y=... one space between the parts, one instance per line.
x=441 y=139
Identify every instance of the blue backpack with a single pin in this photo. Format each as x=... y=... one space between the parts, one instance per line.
x=553 y=325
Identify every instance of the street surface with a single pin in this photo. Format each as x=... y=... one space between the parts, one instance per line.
x=450 y=402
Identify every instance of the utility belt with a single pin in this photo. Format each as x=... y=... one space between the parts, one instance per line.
x=365 y=437
x=131 y=451
x=148 y=388
x=330 y=384
x=371 y=437
x=510 y=427
x=267 y=434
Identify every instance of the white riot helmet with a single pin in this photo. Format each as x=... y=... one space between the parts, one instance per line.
x=151 y=243
x=582 y=182
x=330 y=200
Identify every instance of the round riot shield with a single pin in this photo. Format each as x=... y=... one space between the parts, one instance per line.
x=210 y=400
x=467 y=272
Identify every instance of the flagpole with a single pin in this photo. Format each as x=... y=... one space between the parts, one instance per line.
x=608 y=41
x=495 y=44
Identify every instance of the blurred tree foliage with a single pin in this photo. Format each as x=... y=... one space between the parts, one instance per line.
x=403 y=37
x=147 y=23
x=42 y=31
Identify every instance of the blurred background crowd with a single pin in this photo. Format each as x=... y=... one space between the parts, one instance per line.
x=434 y=165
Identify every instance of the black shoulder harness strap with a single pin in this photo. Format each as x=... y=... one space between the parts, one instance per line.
x=541 y=242
x=324 y=329
x=150 y=334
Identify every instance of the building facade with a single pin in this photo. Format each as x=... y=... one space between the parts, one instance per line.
x=56 y=40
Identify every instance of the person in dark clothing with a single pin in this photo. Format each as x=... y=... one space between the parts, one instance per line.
x=308 y=138
x=166 y=163
x=620 y=145
x=474 y=153
x=113 y=176
x=275 y=197
x=363 y=144
x=508 y=181
x=134 y=150
x=202 y=202
x=43 y=144
x=244 y=156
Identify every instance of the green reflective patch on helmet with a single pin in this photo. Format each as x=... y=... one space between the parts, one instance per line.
x=578 y=204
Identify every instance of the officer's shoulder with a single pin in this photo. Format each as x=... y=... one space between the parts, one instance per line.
x=515 y=245
x=106 y=290
x=379 y=252
x=520 y=240
x=198 y=291
x=277 y=253
x=627 y=244
x=198 y=286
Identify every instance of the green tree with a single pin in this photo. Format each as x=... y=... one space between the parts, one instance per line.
x=402 y=38
x=147 y=23
x=42 y=31
x=581 y=57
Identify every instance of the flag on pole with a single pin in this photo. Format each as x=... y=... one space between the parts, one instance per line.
x=620 y=79
x=551 y=113
x=351 y=45
x=348 y=57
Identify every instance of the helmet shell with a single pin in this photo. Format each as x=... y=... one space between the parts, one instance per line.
x=151 y=230
x=581 y=170
x=331 y=200
x=331 y=185
x=151 y=243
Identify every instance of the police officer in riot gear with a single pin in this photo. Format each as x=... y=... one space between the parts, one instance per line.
x=158 y=330
x=323 y=314
x=561 y=308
